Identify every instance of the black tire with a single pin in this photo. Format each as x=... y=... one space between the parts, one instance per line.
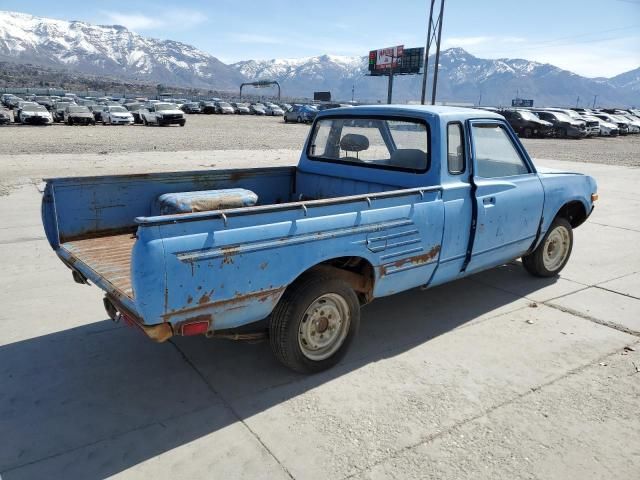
x=285 y=119
x=299 y=119
x=182 y=123
x=287 y=318
x=527 y=133
x=69 y=122
x=534 y=262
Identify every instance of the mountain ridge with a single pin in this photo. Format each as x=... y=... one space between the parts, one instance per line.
x=115 y=51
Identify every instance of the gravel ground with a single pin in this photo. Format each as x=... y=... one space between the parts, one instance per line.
x=218 y=132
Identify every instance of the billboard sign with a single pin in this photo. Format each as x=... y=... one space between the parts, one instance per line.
x=405 y=61
x=386 y=58
x=521 y=102
x=322 y=96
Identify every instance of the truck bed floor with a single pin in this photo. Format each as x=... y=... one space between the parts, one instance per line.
x=109 y=257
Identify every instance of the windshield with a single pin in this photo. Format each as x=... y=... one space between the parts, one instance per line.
x=133 y=106
x=527 y=115
x=41 y=99
x=78 y=109
x=241 y=105
x=117 y=109
x=367 y=142
x=562 y=117
x=224 y=104
x=165 y=106
x=573 y=114
x=34 y=108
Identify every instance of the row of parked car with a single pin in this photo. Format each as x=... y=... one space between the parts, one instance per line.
x=43 y=110
x=571 y=122
x=72 y=110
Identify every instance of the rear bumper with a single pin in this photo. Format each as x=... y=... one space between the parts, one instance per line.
x=117 y=311
x=36 y=121
x=170 y=121
x=82 y=120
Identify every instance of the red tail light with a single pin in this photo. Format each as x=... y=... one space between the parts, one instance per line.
x=195 y=328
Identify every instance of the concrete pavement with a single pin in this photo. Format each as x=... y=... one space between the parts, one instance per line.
x=498 y=376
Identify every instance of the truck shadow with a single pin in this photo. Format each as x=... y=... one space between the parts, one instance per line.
x=96 y=400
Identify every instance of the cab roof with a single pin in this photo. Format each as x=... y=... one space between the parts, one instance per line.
x=424 y=111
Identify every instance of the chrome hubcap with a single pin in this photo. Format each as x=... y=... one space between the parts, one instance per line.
x=556 y=249
x=324 y=326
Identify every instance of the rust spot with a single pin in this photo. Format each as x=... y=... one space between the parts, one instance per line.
x=189 y=299
x=238 y=301
x=263 y=265
x=204 y=299
x=228 y=253
x=415 y=260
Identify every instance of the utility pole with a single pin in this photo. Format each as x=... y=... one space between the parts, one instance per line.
x=577 y=101
x=390 y=87
x=437 y=64
x=594 y=100
x=353 y=92
x=432 y=38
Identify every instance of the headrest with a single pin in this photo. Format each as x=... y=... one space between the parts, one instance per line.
x=353 y=142
x=409 y=158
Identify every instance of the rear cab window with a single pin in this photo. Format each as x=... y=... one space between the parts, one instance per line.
x=387 y=143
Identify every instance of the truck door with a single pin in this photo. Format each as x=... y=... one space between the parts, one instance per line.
x=508 y=193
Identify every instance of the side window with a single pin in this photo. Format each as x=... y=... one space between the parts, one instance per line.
x=455 y=149
x=496 y=155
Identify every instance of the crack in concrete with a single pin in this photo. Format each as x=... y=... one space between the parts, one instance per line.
x=615 y=226
x=584 y=316
x=487 y=411
x=230 y=408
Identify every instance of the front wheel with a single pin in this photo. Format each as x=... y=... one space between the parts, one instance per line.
x=553 y=253
x=313 y=324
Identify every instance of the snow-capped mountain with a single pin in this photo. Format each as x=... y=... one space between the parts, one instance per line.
x=111 y=50
x=462 y=78
x=628 y=80
x=117 y=52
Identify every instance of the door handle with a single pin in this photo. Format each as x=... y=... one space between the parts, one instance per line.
x=489 y=201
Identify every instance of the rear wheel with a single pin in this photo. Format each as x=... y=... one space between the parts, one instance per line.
x=285 y=119
x=527 y=133
x=313 y=324
x=553 y=253
x=299 y=119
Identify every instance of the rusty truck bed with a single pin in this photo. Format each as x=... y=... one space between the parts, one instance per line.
x=109 y=257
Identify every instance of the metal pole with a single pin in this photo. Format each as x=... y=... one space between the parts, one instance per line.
x=594 y=100
x=390 y=90
x=426 y=55
x=435 y=67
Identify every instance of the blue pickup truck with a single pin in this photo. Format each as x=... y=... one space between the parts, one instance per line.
x=383 y=199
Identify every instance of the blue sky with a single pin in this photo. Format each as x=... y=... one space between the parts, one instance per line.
x=589 y=37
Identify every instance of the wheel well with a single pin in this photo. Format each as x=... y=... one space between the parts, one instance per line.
x=356 y=271
x=574 y=212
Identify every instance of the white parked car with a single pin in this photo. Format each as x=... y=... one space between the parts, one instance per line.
x=162 y=114
x=116 y=115
x=34 y=114
x=273 y=110
x=606 y=129
x=635 y=123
